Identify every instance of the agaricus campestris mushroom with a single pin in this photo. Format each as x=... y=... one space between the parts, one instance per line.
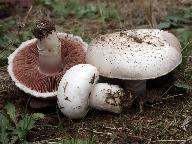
x=74 y=90
x=135 y=56
x=109 y=97
x=38 y=65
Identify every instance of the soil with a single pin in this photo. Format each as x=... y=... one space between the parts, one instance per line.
x=167 y=114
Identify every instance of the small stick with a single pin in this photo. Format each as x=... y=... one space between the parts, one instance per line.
x=22 y=25
x=167 y=90
x=169 y=97
x=183 y=141
x=108 y=133
x=168 y=141
x=51 y=141
x=188 y=43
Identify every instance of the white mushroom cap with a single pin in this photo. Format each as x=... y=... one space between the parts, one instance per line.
x=135 y=54
x=107 y=97
x=74 y=90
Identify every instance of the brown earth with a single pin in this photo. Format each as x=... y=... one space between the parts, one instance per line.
x=167 y=114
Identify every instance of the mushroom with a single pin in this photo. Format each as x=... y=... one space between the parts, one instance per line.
x=110 y=98
x=135 y=56
x=38 y=65
x=74 y=90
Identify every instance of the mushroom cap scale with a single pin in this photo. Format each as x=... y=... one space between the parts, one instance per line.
x=24 y=71
x=135 y=54
x=74 y=90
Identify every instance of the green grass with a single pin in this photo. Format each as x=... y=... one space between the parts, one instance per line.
x=10 y=39
x=61 y=10
x=180 y=22
x=178 y=19
x=75 y=9
x=108 y=14
x=13 y=130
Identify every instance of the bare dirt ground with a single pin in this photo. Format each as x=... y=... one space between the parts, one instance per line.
x=167 y=115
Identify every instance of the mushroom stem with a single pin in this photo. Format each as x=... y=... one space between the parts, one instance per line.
x=49 y=49
x=138 y=87
x=49 y=46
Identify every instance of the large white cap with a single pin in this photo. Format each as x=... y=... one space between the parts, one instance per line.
x=135 y=54
x=74 y=90
x=107 y=97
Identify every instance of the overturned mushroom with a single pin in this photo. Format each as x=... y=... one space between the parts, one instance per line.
x=74 y=90
x=110 y=98
x=38 y=65
x=135 y=56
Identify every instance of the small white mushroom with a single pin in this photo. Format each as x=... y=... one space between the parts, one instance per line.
x=74 y=90
x=107 y=97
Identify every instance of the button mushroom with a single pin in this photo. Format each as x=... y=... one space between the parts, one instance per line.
x=135 y=56
x=110 y=98
x=38 y=65
x=74 y=90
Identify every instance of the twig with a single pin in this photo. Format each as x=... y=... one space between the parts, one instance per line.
x=169 y=97
x=171 y=140
x=173 y=96
x=51 y=141
x=23 y=23
x=97 y=132
x=168 y=141
x=111 y=128
x=167 y=90
x=148 y=9
x=10 y=43
x=186 y=46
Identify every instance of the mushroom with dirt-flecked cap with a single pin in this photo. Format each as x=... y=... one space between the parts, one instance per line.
x=135 y=55
x=74 y=90
x=110 y=98
x=38 y=65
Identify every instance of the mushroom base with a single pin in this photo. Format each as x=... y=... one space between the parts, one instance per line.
x=138 y=89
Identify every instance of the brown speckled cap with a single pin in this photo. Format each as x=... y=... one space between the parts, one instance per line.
x=135 y=54
x=24 y=65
